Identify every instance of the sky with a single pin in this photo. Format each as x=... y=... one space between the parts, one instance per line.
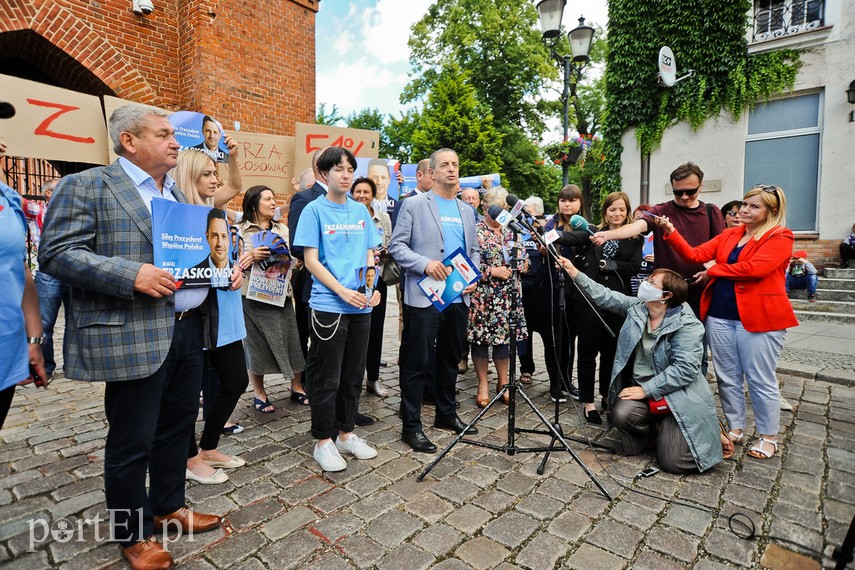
x=362 y=54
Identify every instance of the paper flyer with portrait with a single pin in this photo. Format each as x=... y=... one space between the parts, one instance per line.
x=269 y=280
x=200 y=132
x=366 y=280
x=463 y=273
x=193 y=243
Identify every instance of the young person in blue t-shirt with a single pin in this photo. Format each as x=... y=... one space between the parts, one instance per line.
x=338 y=238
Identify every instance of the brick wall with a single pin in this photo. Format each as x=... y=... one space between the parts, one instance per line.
x=251 y=61
x=822 y=253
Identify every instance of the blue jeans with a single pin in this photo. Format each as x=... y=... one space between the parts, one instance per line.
x=804 y=282
x=52 y=293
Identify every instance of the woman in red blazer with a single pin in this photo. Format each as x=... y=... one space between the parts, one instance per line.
x=746 y=310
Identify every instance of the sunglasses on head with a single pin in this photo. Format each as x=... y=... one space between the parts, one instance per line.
x=769 y=189
x=687 y=192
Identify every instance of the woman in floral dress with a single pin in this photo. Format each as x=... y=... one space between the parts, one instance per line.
x=498 y=299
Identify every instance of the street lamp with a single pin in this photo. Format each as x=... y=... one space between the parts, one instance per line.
x=550 y=13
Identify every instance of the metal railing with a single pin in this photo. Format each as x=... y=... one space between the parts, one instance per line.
x=778 y=18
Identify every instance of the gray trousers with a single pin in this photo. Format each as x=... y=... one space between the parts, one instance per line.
x=638 y=429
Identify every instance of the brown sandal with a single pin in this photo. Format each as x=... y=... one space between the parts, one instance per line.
x=525 y=378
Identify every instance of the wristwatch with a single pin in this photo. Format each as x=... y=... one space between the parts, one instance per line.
x=35 y=340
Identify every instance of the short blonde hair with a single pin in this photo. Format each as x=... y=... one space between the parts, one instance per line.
x=776 y=203
x=188 y=171
x=495 y=196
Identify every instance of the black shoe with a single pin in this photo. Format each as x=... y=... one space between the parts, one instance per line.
x=812 y=298
x=574 y=392
x=560 y=397
x=456 y=425
x=363 y=420
x=419 y=442
x=593 y=417
x=383 y=364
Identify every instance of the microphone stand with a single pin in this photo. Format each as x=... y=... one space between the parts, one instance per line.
x=513 y=388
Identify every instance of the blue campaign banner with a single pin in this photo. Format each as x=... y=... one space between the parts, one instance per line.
x=387 y=183
x=482 y=182
x=192 y=242
x=201 y=132
x=408 y=172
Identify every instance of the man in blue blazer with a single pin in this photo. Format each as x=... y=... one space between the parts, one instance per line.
x=126 y=327
x=429 y=227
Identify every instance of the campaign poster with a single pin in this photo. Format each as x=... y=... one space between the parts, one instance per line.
x=270 y=279
x=200 y=132
x=408 y=173
x=192 y=242
x=482 y=182
x=311 y=137
x=463 y=273
x=384 y=173
x=53 y=123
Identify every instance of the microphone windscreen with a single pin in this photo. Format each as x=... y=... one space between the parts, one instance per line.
x=494 y=211
x=511 y=200
x=579 y=223
x=7 y=110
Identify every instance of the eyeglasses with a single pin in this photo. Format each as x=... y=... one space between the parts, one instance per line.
x=687 y=192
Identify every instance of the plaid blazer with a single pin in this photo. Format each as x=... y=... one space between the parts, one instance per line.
x=97 y=235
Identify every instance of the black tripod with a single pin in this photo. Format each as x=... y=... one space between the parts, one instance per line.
x=557 y=330
x=513 y=388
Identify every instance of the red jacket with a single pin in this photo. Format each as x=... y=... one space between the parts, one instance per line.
x=758 y=275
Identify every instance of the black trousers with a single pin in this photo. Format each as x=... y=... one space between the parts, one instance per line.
x=375 y=338
x=150 y=421
x=440 y=336
x=404 y=349
x=638 y=429
x=301 y=310
x=6 y=403
x=337 y=354
x=595 y=340
x=541 y=318
x=223 y=383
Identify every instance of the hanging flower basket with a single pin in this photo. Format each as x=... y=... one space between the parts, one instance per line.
x=567 y=152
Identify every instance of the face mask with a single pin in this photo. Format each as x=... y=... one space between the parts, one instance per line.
x=647 y=292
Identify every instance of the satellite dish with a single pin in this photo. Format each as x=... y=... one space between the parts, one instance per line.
x=668 y=68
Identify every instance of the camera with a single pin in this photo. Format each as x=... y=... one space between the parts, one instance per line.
x=144 y=7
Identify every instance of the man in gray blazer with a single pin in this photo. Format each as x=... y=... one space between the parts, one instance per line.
x=127 y=328
x=429 y=227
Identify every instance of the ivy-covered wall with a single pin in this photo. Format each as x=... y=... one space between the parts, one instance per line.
x=706 y=36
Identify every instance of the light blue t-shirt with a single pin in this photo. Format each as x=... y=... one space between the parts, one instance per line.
x=14 y=354
x=452 y=223
x=342 y=234
x=232 y=327
x=452 y=227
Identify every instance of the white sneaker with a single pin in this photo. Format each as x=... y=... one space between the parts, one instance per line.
x=329 y=458
x=375 y=387
x=356 y=446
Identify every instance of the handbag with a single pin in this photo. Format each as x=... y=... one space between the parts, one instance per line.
x=391 y=273
x=658 y=407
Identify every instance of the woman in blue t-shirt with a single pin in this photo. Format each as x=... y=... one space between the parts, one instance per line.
x=338 y=237
x=21 y=334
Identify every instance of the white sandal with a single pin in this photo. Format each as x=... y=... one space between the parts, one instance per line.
x=735 y=437
x=759 y=452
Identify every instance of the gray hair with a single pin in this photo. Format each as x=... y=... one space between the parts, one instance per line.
x=50 y=185
x=306 y=177
x=130 y=119
x=495 y=196
x=535 y=205
x=436 y=153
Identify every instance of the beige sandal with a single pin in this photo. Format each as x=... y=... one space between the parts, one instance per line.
x=759 y=452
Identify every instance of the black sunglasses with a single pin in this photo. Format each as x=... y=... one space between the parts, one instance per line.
x=769 y=189
x=689 y=192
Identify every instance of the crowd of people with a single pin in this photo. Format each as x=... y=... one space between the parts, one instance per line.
x=596 y=296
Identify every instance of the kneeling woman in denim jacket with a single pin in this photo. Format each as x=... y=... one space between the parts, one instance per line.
x=661 y=343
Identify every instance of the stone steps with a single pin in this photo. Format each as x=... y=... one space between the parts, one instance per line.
x=835 y=298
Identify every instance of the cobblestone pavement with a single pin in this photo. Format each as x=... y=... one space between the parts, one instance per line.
x=478 y=508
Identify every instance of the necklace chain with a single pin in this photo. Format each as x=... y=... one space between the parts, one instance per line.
x=346 y=218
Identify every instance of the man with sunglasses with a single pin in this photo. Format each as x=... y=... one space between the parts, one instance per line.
x=696 y=221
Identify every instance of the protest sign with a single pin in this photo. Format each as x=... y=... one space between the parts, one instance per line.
x=191 y=242
x=311 y=137
x=53 y=123
x=264 y=159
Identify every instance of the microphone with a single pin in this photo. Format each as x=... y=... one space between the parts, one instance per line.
x=505 y=219
x=580 y=224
